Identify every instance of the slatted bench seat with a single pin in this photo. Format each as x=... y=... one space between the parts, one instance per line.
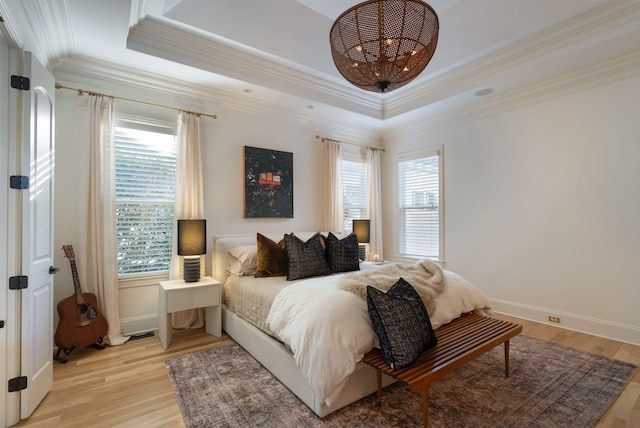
x=459 y=342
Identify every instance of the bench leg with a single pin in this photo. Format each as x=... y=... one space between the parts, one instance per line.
x=425 y=406
x=379 y=379
x=506 y=358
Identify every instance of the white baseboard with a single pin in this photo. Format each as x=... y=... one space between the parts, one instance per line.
x=138 y=325
x=597 y=327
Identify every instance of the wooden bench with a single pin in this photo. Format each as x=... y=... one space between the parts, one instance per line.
x=459 y=342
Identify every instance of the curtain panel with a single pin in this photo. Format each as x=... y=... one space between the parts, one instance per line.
x=374 y=201
x=97 y=249
x=334 y=200
x=189 y=205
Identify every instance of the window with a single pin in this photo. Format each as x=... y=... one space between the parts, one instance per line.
x=145 y=195
x=354 y=182
x=420 y=219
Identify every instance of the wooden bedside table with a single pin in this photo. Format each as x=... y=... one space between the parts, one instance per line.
x=177 y=295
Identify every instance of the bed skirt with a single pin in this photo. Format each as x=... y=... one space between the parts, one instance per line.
x=277 y=358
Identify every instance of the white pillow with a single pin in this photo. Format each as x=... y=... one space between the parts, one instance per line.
x=243 y=260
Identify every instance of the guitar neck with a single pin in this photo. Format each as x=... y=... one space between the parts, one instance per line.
x=76 y=283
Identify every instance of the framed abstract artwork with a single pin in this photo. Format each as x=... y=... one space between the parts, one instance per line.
x=268 y=183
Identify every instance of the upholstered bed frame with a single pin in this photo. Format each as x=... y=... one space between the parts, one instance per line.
x=275 y=356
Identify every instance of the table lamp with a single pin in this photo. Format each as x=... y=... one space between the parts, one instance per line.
x=192 y=237
x=361 y=228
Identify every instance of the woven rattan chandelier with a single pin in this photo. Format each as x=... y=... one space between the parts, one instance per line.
x=382 y=45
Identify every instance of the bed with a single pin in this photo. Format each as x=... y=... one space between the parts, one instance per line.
x=252 y=315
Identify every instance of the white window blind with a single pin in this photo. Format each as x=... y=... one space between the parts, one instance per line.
x=145 y=195
x=354 y=182
x=419 y=182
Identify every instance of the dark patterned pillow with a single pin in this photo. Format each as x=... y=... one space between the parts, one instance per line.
x=271 y=259
x=401 y=323
x=342 y=254
x=305 y=258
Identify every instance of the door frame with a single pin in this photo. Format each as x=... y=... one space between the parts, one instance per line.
x=11 y=222
x=4 y=226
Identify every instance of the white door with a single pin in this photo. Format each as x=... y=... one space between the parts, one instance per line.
x=37 y=236
x=12 y=135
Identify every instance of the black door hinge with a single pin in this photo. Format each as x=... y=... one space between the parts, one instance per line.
x=19 y=182
x=17 y=384
x=20 y=82
x=18 y=282
x=2 y=324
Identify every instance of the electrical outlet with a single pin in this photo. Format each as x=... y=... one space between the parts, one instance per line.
x=554 y=319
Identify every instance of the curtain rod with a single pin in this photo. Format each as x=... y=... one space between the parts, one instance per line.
x=97 y=94
x=323 y=139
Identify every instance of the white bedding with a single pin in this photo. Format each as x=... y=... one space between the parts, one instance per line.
x=328 y=329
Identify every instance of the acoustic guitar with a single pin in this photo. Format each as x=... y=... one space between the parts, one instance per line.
x=81 y=323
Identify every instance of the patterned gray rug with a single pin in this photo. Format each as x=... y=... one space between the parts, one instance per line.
x=549 y=386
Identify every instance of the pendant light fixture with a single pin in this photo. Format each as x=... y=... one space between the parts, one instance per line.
x=382 y=45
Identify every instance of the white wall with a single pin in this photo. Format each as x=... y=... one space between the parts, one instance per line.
x=222 y=150
x=542 y=207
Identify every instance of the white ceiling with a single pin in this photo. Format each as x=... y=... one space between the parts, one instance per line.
x=277 y=51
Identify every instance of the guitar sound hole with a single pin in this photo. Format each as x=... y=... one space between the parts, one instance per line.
x=88 y=310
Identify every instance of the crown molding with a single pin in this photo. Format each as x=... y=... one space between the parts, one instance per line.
x=620 y=68
x=10 y=26
x=148 y=87
x=126 y=82
x=172 y=41
x=137 y=12
x=50 y=23
x=169 y=40
x=166 y=39
x=141 y=8
x=608 y=18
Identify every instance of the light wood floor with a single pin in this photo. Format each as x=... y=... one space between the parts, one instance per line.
x=127 y=386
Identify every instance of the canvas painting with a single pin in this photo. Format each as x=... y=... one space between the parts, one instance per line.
x=268 y=183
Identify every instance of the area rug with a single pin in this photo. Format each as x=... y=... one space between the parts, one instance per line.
x=549 y=385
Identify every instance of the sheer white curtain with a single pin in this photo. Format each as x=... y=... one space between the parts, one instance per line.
x=374 y=202
x=189 y=204
x=97 y=249
x=334 y=203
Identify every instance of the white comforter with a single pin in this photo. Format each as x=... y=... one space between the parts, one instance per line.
x=328 y=329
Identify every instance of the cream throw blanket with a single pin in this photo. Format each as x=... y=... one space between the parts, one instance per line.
x=425 y=276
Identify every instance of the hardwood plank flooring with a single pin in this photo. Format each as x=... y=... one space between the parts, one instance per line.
x=127 y=386
x=120 y=386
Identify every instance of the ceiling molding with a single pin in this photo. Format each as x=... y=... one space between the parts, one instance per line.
x=138 y=11
x=345 y=110
x=10 y=26
x=51 y=25
x=112 y=79
x=141 y=8
x=163 y=38
x=620 y=68
x=169 y=40
x=131 y=83
x=594 y=23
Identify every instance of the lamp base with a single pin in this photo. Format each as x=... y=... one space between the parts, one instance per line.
x=191 y=267
x=362 y=252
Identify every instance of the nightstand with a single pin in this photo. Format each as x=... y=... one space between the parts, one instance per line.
x=177 y=295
